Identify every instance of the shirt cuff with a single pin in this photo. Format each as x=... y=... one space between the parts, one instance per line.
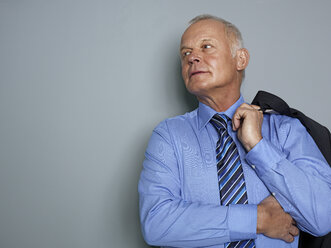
x=264 y=156
x=242 y=221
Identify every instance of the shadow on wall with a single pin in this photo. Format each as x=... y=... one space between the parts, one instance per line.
x=128 y=220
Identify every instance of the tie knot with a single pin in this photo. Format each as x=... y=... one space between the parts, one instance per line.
x=219 y=121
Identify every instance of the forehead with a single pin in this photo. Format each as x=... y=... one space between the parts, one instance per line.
x=204 y=29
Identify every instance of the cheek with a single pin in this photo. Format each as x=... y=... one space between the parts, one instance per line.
x=216 y=58
x=212 y=61
x=220 y=64
x=184 y=72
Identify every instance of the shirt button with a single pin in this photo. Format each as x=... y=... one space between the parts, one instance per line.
x=273 y=193
x=253 y=166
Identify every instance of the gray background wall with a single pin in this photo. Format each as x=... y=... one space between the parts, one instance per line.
x=83 y=84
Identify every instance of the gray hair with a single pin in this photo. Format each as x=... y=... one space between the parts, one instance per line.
x=232 y=32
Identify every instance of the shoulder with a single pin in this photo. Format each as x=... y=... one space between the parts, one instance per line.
x=167 y=133
x=283 y=129
x=283 y=123
x=176 y=123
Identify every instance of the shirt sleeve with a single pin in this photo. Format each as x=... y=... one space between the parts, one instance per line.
x=168 y=220
x=297 y=174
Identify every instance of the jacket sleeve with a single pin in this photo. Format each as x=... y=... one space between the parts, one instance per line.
x=297 y=174
x=168 y=220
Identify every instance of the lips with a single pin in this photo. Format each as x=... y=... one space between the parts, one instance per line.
x=197 y=73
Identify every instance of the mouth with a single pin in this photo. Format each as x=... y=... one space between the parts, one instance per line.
x=193 y=73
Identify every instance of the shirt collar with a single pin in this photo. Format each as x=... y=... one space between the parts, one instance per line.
x=205 y=113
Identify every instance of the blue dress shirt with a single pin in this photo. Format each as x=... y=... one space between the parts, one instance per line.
x=178 y=187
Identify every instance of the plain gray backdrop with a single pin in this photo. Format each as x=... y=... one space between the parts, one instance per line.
x=83 y=84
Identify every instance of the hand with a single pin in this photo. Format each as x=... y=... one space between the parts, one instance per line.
x=247 y=120
x=273 y=222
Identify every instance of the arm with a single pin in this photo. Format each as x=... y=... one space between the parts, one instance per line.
x=169 y=220
x=297 y=174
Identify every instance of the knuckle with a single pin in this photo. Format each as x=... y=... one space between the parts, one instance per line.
x=242 y=106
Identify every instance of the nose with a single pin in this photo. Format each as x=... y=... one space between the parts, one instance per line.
x=194 y=58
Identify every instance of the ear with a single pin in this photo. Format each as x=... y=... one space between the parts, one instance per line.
x=242 y=56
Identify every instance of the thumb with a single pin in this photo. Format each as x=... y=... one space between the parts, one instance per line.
x=236 y=122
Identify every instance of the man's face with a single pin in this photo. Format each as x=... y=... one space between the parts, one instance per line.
x=207 y=62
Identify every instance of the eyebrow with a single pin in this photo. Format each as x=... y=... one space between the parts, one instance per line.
x=184 y=47
x=202 y=41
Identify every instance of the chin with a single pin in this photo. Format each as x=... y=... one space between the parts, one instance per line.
x=198 y=90
x=198 y=85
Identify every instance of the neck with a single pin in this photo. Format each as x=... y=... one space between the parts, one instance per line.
x=221 y=101
x=223 y=97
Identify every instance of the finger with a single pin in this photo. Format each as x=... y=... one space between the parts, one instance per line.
x=294 y=231
x=288 y=238
x=255 y=106
x=258 y=108
x=247 y=107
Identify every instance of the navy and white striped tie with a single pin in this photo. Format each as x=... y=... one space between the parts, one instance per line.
x=230 y=173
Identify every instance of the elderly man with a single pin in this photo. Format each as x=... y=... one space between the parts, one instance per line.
x=225 y=175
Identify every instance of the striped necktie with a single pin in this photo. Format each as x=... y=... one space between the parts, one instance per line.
x=230 y=173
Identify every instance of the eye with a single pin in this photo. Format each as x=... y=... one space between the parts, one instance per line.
x=207 y=46
x=186 y=53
